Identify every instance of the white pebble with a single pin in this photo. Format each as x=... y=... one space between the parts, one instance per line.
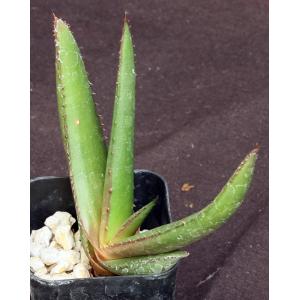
x=41 y=272
x=32 y=236
x=57 y=276
x=54 y=244
x=66 y=263
x=60 y=218
x=70 y=256
x=64 y=237
x=42 y=236
x=35 y=249
x=36 y=264
x=61 y=267
x=58 y=253
x=80 y=271
x=50 y=256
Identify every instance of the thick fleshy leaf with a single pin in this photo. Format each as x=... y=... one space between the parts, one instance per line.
x=118 y=188
x=81 y=131
x=145 y=265
x=178 y=234
x=133 y=222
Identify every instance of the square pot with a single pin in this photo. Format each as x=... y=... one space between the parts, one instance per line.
x=51 y=194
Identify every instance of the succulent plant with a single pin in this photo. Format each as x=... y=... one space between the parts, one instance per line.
x=102 y=180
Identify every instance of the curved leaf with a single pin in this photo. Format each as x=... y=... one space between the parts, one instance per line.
x=178 y=234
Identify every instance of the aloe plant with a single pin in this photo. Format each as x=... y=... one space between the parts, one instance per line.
x=102 y=180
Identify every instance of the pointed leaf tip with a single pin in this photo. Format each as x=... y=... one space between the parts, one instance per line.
x=256 y=149
x=54 y=17
x=125 y=19
x=57 y=20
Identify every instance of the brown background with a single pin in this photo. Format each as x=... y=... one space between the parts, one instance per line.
x=202 y=104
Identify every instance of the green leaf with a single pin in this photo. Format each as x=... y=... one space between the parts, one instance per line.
x=145 y=265
x=118 y=187
x=134 y=222
x=178 y=234
x=81 y=131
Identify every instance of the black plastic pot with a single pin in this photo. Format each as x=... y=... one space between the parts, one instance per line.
x=51 y=194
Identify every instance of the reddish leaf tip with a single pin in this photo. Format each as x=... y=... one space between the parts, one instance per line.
x=256 y=149
x=125 y=17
